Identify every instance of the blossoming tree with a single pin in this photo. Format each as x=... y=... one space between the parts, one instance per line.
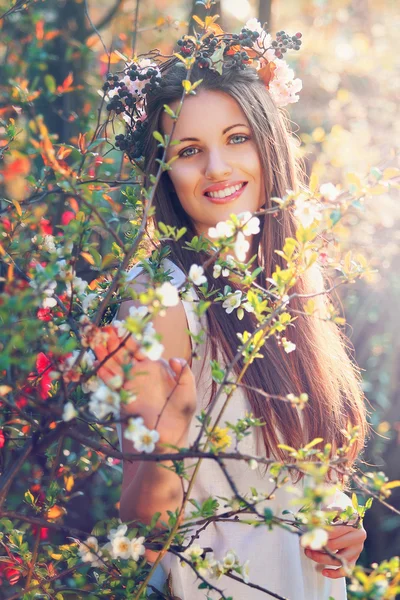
x=56 y=408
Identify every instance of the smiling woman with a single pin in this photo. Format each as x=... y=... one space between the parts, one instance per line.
x=233 y=153
x=220 y=171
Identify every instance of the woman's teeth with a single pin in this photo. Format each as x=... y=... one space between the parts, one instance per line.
x=225 y=192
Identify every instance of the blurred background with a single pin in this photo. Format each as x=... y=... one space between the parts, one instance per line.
x=346 y=124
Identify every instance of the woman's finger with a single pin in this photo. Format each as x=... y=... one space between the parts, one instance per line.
x=349 y=557
x=355 y=537
x=324 y=559
x=130 y=345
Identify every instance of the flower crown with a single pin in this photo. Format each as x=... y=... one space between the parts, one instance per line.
x=211 y=49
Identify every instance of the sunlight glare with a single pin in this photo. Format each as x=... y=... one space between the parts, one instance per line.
x=240 y=9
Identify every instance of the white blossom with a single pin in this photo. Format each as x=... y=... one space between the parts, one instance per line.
x=89 y=302
x=232 y=301
x=66 y=249
x=48 y=243
x=116 y=382
x=69 y=412
x=137 y=547
x=89 y=551
x=196 y=274
x=91 y=385
x=246 y=571
x=230 y=560
x=217 y=271
x=254 y=25
x=253 y=464
x=135 y=425
x=65 y=270
x=217 y=570
x=168 y=294
x=151 y=347
x=264 y=40
x=49 y=302
x=193 y=552
x=136 y=87
x=189 y=295
x=121 y=547
x=241 y=247
x=222 y=230
x=248 y=307
x=329 y=191
x=86 y=363
x=284 y=87
x=104 y=401
x=307 y=211
x=252 y=224
x=120 y=327
x=315 y=539
x=145 y=440
x=120 y=531
x=79 y=285
x=48 y=291
x=288 y=346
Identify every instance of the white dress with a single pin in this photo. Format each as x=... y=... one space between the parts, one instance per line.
x=276 y=560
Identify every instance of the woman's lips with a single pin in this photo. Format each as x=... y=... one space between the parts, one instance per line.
x=227 y=198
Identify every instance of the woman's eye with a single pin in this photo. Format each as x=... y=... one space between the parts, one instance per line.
x=188 y=152
x=244 y=138
x=185 y=154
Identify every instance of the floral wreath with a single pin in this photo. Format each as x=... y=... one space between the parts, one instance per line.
x=212 y=48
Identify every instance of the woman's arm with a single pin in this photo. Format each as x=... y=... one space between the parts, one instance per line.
x=146 y=488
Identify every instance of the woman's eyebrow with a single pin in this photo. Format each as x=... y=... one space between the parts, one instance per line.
x=192 y=139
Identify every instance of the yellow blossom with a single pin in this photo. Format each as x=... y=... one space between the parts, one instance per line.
x=220 y=438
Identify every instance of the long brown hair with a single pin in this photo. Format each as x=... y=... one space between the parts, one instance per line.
x=320 y=366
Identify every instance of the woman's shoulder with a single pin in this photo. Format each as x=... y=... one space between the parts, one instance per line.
x=140 y=272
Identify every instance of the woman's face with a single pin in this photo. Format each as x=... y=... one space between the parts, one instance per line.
x=218 y=170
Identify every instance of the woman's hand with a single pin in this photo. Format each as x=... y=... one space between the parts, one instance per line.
x=347 y=541
x=165 y=388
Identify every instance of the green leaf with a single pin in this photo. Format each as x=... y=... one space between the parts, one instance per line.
x=169 y=111
x=313 y=443
x=180 y=233
x=50 y=83
x=29 y=498
x=157 y=135
x=217 y=58
x=163 y=228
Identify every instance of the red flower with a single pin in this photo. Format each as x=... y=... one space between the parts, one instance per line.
x=43 y=364
x=44 y=532
x=45 y=226
x=7 y=569
x=44 y=314
x=67 y=216
x=6 y=224
x=41 y=381
x=2 y=438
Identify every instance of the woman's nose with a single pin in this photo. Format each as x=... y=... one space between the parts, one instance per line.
x=217 y=167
